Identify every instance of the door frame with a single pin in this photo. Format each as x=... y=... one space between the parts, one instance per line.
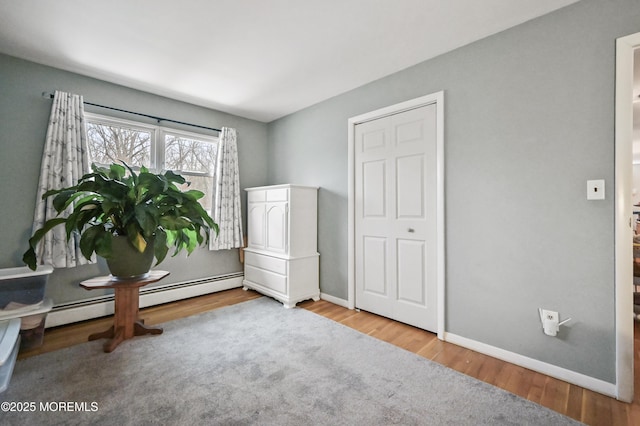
x=625 y=47
x=434 y=98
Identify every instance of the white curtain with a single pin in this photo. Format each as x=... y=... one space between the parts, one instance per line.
x=226 y=198
x=64 y=160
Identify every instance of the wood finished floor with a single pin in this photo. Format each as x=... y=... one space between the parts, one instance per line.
x=581 y=404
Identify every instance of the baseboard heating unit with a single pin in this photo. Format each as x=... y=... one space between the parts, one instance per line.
x=100 y=306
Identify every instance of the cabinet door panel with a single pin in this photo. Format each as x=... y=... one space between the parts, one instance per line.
x=276 y=227
x=256 y=228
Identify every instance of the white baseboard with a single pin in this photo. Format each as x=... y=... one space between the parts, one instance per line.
x=334 y=300
x=579 y=379
x=102 y=306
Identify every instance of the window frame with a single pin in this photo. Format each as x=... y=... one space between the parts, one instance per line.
x=157 y=137
x=160 y=151
x=158 y=142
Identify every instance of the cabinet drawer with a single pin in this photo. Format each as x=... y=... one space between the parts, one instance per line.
x=265 y=278
x=273 y=264
x=281 y=194
x=253 y=196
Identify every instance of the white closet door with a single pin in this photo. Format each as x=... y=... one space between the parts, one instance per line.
x=396 y=205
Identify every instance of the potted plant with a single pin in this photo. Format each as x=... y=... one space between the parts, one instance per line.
x=128 y=218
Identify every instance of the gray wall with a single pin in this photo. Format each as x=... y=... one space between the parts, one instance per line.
x=23 y=123
x=529 y=118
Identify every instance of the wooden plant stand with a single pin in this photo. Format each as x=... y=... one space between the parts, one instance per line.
x=126 y=323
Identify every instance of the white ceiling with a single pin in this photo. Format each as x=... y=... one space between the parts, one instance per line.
x=260 y=59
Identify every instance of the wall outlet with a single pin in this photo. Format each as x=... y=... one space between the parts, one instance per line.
x=549 y=316
x=550 y=322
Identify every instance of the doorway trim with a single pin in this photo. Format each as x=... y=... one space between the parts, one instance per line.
x=434 y=98
x=625 y=47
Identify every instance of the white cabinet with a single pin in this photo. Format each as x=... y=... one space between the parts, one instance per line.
x=281 y=258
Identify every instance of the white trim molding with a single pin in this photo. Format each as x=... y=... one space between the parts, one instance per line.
x=103 y=305
x=335 y=300
x=434 y=98
x=579 y=379
x=625 y=47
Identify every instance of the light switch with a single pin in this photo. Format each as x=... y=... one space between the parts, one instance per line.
x=595 y=189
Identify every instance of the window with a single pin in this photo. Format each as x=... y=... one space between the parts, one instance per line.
x=158 y=148
x=194 y=158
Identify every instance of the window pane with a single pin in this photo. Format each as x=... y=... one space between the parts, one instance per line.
x=201 y=183
x=189 y=155
x=194 y=158
x=110 y=144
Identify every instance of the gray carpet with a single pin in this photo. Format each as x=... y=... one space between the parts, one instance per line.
x=257 y=363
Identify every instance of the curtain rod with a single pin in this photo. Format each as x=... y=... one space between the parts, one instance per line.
x=50 y=96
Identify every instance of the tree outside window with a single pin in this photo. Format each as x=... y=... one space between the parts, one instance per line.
x=158 y=148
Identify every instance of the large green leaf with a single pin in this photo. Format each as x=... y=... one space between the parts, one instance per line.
x=174 y=177
x=103 y=244
x=160 y=246
x=150 y=186
x=111 y=189
x=193 y=194
x=76 y=221
x=191 y=239
x=88 y=216
x=174 y=223
x=88 y=240
x=63 y=198
x=116 y=171
x=29 y=257
x=109 y=206
x=146 y=217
